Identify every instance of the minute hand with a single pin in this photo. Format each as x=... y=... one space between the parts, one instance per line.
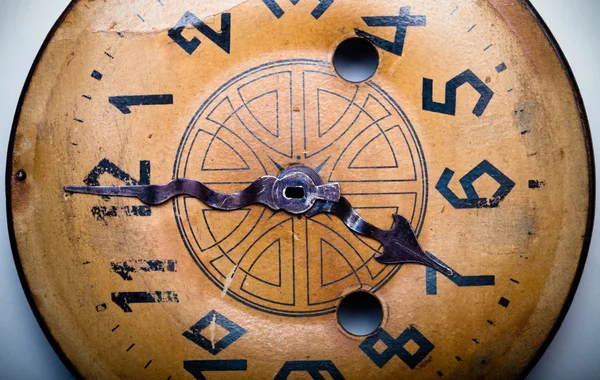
x=400 y=243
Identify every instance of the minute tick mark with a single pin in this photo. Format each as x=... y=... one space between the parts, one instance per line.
x=503 y=302
x=97 y=75
x=501 y=67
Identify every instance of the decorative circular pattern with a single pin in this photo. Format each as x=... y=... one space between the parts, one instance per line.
x=253 y=120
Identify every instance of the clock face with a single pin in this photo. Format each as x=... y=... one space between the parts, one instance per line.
x=470 y=127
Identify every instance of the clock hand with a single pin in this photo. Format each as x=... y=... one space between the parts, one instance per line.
x=298 y=190
x=270 y=191
x=400 y=243
x=158 y=194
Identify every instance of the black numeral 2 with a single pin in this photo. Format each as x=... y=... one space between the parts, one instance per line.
x=222 y=40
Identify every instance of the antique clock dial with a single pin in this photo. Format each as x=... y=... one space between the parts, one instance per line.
x=205 y=190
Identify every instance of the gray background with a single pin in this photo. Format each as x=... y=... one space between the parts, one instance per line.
x=25 y=353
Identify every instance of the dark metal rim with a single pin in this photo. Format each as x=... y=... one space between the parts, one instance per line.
x=585 y=130
x=11 y=231
x=583 y=257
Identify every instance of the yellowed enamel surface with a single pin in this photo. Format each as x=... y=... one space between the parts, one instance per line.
x=281 y=266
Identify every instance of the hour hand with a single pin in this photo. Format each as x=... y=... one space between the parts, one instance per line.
x=295 y=193
x=154 y=195
x=400 y=244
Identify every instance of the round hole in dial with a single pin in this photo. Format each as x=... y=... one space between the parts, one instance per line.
x=294 y=192
x=356 y=59
x=360 y=313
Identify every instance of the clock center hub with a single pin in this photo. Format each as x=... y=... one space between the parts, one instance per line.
x=299 y=186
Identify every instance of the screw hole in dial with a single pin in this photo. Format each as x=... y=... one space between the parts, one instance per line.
x=294 y=192
x=360 y=313
x=356 y=59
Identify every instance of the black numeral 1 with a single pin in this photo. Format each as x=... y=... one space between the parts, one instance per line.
x=124 y=102
x=197 y=367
